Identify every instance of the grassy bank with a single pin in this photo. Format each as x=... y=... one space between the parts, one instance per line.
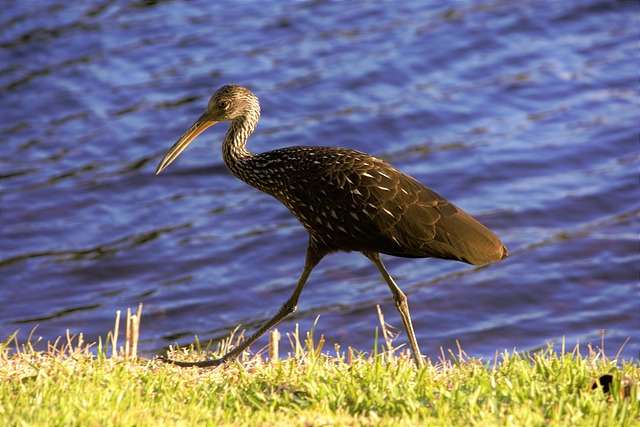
x=70 y=385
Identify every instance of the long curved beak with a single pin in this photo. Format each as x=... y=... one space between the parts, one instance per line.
x=196 y=129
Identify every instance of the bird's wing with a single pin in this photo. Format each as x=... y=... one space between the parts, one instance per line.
x=408 y=219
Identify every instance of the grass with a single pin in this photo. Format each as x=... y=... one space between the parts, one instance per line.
x=73 y=383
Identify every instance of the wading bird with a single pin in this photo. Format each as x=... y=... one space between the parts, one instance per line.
x=347 y=200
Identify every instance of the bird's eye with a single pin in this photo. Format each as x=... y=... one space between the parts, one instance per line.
x=223 y=105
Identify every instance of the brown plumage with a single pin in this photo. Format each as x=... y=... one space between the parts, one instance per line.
x=347 y=200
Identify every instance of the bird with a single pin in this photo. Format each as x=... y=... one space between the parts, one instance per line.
x=347 y=201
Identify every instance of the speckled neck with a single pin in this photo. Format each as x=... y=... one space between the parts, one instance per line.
x=234 y=147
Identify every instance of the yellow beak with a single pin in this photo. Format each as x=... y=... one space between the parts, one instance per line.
x=203 y=123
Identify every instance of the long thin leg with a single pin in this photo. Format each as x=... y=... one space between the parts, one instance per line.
x=401 y=304
x=313 y=258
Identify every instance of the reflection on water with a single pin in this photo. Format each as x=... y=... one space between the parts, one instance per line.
x=524 y=114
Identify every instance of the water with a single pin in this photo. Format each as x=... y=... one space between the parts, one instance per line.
x=525 y=114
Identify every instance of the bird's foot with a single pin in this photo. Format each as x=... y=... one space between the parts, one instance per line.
x=202 y=364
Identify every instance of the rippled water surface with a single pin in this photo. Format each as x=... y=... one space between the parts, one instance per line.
x=523 y=113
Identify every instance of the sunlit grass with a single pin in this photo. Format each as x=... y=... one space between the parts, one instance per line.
x=74 y=383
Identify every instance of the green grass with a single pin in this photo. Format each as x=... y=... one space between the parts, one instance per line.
x=70 y=385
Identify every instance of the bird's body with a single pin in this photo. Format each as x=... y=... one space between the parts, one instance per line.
x=347 y=200
x=351 y=201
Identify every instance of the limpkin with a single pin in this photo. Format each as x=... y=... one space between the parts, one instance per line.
x=347 y=200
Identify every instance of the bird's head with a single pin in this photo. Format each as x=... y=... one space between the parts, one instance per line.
x=229 y=103
x=232 y=102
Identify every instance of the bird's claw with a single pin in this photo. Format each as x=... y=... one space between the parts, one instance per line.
x=200 y=364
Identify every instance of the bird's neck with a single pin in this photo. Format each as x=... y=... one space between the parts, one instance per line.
x=234 y=147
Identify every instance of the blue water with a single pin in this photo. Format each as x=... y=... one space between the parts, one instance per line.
x=523 y=113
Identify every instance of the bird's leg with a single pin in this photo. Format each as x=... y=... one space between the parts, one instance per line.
x=401 y=304
x=313 y=258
